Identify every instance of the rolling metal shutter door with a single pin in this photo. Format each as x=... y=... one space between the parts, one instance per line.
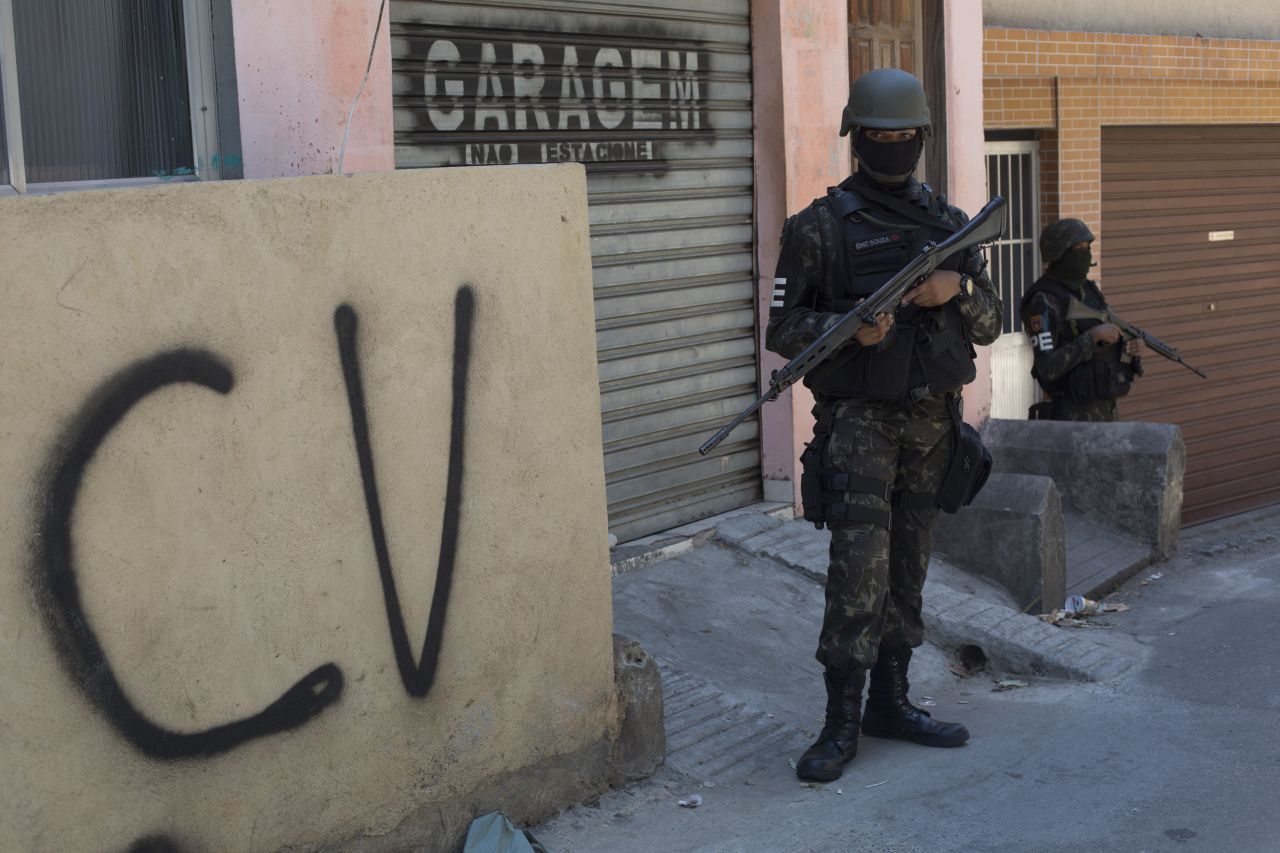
x=655 y=98
x=1191 y=246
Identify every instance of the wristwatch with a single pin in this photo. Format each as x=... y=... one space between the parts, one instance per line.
x=966 y=288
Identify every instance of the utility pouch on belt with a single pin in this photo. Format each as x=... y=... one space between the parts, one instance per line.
x=811 y=468
x=825 y=492
x=970 y=463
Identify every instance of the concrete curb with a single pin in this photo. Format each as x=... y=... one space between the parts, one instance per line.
x=1017 y=643
x=1012 y=641
x=679 y=540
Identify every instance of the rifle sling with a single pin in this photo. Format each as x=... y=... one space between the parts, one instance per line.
x=899 y=206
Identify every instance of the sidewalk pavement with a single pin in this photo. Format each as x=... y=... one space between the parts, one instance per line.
x=730 y=609
x=959 y=609
x=737 y=600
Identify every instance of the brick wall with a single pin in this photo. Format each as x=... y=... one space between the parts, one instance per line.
x=1071 y=84
x=1047 y=150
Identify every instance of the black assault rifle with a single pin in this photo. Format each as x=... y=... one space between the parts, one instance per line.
x=1079 y=311
x=987 y=226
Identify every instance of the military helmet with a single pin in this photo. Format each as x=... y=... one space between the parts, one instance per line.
x=886 y=99
x=1060 y=236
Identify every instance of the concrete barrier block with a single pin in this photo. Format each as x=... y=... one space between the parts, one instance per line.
x=1012 y=534
x=641 y=745
x=1126 y=475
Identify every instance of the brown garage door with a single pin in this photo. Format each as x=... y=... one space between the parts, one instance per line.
x=1191 y=252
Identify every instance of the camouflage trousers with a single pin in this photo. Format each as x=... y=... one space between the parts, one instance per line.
x=875 y=579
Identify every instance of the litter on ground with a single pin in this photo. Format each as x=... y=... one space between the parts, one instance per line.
x=1077 y=610
x=1008 y=684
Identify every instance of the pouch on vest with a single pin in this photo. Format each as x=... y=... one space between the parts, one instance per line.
x=884 y=373
x=970 y=464
x=874 y=259
x=1103 y=378
x=1113 y=378
x=945 y=345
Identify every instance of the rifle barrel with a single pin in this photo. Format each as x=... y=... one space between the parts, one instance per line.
x=1153 y=343
x=724 y=431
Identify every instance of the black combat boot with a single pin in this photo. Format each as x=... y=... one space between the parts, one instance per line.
x=838 y=743
x=891 y=714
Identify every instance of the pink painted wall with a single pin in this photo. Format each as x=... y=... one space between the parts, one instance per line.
x=966 y=164
x=801 y=70
x=298 y=66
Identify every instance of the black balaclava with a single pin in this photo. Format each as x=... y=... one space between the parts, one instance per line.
x=889 y=163
x=1073 y=265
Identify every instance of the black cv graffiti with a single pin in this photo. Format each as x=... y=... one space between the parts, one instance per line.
x=54 y=574
x=417 y=677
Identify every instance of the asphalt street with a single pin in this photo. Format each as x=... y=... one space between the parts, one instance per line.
x=1180 y=754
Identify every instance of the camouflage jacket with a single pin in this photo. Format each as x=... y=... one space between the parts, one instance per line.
x=807 y=300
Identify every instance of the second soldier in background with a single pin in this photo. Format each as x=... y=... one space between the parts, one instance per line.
x=886 y=409
x=1081 y=363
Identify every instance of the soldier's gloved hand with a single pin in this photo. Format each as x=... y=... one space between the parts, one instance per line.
x=940 y=287
x=1133 y=346
x=869 y=335
x=1105 y=334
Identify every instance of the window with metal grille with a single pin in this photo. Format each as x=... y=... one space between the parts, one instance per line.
x=1015 y=261
x=101 y=90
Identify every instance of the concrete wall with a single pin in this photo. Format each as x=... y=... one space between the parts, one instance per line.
x=200 y=636
x=1237 y=19
x=298 y=67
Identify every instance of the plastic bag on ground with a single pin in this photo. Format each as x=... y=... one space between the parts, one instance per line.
x=494 y=833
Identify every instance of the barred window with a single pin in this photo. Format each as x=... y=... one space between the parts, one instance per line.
x=100 y=90
x=1011 y=172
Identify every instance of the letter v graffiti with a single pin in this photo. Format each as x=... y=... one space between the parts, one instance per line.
x=417 y=676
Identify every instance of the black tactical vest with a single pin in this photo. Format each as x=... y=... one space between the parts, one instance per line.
x=1106 y=376
x=864 y=244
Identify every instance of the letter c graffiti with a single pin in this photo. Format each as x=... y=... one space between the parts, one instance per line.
x=54 y=574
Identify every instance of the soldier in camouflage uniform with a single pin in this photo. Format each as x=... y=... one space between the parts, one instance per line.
x=1081 y=364
x=883 y=435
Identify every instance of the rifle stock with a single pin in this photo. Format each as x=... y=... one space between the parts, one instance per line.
x=985 y=227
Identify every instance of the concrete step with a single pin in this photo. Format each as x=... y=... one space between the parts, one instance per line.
x=1098 y=558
